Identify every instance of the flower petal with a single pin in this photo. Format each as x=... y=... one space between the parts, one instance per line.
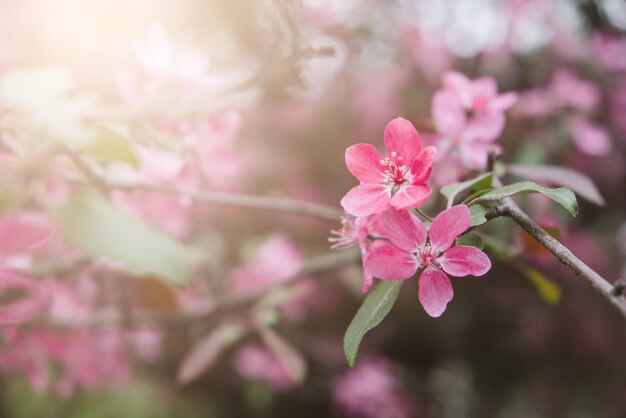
x=460 y=86
x=366 y=199
x=409 y=197
x=435 y=291
x=389 y=262
x=423 y=165
x=448 y=225
x=35 y=298
x=363 y=161
x=23 y=232
x=448 y=114
x=403 y=229
x=503 y=102
x=464 y=260
x=400 y=136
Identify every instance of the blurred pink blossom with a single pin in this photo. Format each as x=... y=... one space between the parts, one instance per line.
x=590 y=138
x=469 y=117
x=276 y=261
x=571 y=91
x=372 y=390
x=255 y=362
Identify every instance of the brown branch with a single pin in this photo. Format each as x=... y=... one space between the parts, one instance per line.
x=509 y=209
x=269 y=203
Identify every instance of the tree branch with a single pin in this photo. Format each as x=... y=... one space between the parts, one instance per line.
x=270 y=203
x=509 y=209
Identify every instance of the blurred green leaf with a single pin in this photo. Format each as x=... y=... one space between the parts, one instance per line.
x=374 y=309
x=110 y=145
x=101 y=230
x=477 y=183
x=207 y=351
x=563 y=196
x=548 y=290
x=575 y=180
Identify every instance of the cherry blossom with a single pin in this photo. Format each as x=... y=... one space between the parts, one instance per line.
x=259 y=363
x=372 y=390
x=408 y=250
x=397 y=180
x=277 y=261
x=469 y=117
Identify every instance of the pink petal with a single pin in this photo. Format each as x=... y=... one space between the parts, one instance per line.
x=24 y=232
x=423 y=165
x=389 y=262
x=400 y=136
x=435 y=291
x=448 y=225
x=590 y=138
x=448 y=114
x=368 y=281
x=503 y=102
x=460 y=86
x=404 y=229
x=484 y=128
x=474 y=154
x=485 y=87
x=409 y=197
x=366 y=199
x=35 y=298
x=363 y=161
x=463 y=260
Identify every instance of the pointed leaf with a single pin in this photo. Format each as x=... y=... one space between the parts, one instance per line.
x=478 y=212
x=376 y=306
x=101 y=230
x=478 y=183
x=110 y=145
x=563 y=196
x=291 y=358
x=207 y=351
x=575 y=180
x=548 y=290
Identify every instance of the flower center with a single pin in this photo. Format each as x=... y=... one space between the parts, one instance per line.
x=394 y=169
x=428 y=256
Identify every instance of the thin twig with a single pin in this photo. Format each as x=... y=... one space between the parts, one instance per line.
x=271 y=203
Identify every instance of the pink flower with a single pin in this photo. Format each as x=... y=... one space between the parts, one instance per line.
x=255 y=362
x=277 y=261
x=408 y=250
x=469 y=117
x=372 y=390
x=590 y=138
x=398 y=180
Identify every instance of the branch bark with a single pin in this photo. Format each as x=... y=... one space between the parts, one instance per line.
x=509 y=209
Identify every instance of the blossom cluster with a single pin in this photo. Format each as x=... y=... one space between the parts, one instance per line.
x=394 y=242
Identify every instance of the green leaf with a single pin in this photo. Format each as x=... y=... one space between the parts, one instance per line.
x=478 y=212
x=470 y=239
x=581 y=184
x=376 y=306
x=548 y=290
x=110 y=145
x=563 y=196
x=478 y=183
x=101 y=230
